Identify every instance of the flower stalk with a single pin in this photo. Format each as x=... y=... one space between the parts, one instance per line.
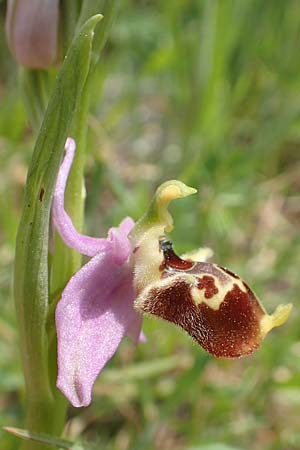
x=40 y=276
x=31 y=283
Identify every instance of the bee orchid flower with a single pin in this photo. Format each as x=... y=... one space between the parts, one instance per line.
x=135 y=271
x=209 y=302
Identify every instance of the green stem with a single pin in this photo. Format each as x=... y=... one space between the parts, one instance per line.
x=39 y=413
x=35 y=89
x=46 y=407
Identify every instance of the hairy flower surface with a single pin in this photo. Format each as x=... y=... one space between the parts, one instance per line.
x=135 y=271
x=96 y=308
x=211 y=303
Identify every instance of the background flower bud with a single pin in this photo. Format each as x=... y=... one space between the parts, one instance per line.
x=32 y=31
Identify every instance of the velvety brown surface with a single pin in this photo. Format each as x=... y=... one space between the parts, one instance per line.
x=231 y=331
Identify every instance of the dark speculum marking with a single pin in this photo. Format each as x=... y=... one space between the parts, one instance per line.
x=211 y=269
x=208 y=284
x=231 y=331
x=171 y=260
x=229 y=272
x=173 y=263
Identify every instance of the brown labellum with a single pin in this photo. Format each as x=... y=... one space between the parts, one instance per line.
x=213 y=305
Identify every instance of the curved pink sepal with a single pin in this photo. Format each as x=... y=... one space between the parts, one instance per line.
x=93 y=315
x=86 y=245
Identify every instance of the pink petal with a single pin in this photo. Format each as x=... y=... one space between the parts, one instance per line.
x=142 y=338
x=134 y=332
x=120 y=244
x=126 y=225
x=93 y=315
x=86 y=245
x=32 y=31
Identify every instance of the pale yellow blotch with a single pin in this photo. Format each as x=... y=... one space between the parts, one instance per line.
x=215 y=301
x=279 y=317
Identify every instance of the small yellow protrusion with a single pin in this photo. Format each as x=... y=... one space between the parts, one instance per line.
x=168 y=191
x=279 y=316
x=145 y=236
x=157 y=213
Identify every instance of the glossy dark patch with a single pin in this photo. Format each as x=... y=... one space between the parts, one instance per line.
x=229 y=272
x=208 y=284
x=206 y=268
x=231 y=331
x=171 y=260
x=162 y=266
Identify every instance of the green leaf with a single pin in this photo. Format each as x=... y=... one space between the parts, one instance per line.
x=46 y=439
x=31 y=266
x=108 y=8
x=214 y=447
x=39 y=437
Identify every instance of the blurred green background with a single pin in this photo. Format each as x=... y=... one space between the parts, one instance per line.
x=208 y=92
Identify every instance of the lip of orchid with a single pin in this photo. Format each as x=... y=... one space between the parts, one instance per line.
x=96 y=308
x=209 y=302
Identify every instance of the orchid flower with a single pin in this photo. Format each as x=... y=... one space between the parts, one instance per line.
x=135 y=271
x=209 y=302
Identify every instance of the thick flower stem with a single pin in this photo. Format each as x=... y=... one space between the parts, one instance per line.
x=44 y=417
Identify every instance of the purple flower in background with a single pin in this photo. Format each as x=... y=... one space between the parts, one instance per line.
x=96 y=307
x=32 y=31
